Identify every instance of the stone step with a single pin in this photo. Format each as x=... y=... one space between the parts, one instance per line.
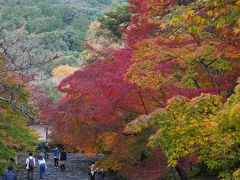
x=77 y=168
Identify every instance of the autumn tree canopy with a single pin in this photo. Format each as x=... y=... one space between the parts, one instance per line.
x=179 y=56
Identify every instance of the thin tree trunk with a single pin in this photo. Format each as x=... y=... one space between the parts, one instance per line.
x=20 y=109
x=181 y=173
x=162 y=91
x=145 y=108
x=196 y=83
x=156 y=100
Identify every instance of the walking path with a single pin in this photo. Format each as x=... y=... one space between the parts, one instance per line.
x=76 y=168
x=41 y=131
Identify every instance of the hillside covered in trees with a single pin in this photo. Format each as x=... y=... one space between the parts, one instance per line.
x=50 y=27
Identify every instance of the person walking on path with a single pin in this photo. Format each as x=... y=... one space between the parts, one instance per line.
x=99 y=174
x=46 y=151
x=30 y=164
x=63 y=159
x=56 y=156
x=92 y=171
x=42 y=167
x=10 y=175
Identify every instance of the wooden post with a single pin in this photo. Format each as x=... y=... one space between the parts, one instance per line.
x=46 y=129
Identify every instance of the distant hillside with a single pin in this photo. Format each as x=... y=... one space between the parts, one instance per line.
x=98 y=6
x=57 y=26
x=51 y=27
x=93 y=2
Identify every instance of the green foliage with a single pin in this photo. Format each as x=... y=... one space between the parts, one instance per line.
x=71 y=58
x=50 y=89
x=51 y=25
x=112 y=22
x=181 y=123
x=226 y=137
x=41 y=18
x=202 y=126
x=15 y=136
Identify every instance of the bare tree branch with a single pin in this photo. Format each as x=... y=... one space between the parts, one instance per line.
x=17 y=107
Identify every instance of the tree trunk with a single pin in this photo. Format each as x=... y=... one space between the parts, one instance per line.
x=140 y=95
x=203 y=168
x=181 y=173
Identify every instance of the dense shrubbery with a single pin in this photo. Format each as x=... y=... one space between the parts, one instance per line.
x=112 y=22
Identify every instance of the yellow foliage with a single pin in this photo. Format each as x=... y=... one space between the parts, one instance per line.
x=236 y=174
x=63 y=71
x=109 y=139
x=109 y=162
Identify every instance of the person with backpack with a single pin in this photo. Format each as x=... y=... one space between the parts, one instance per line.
x=30 y=164
x=56 y=156
x=10 y=175
x=42 y=167
x=63 y=159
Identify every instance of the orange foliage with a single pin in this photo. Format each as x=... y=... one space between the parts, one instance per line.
x=63 y=71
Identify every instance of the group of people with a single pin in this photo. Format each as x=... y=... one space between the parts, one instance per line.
x=60 y=157
x=96 y=173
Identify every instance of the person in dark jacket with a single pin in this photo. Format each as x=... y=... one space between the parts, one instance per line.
x=10 y=175
x=46 y=151
x=63 y=159
x=92 y=171
x=99 y=175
